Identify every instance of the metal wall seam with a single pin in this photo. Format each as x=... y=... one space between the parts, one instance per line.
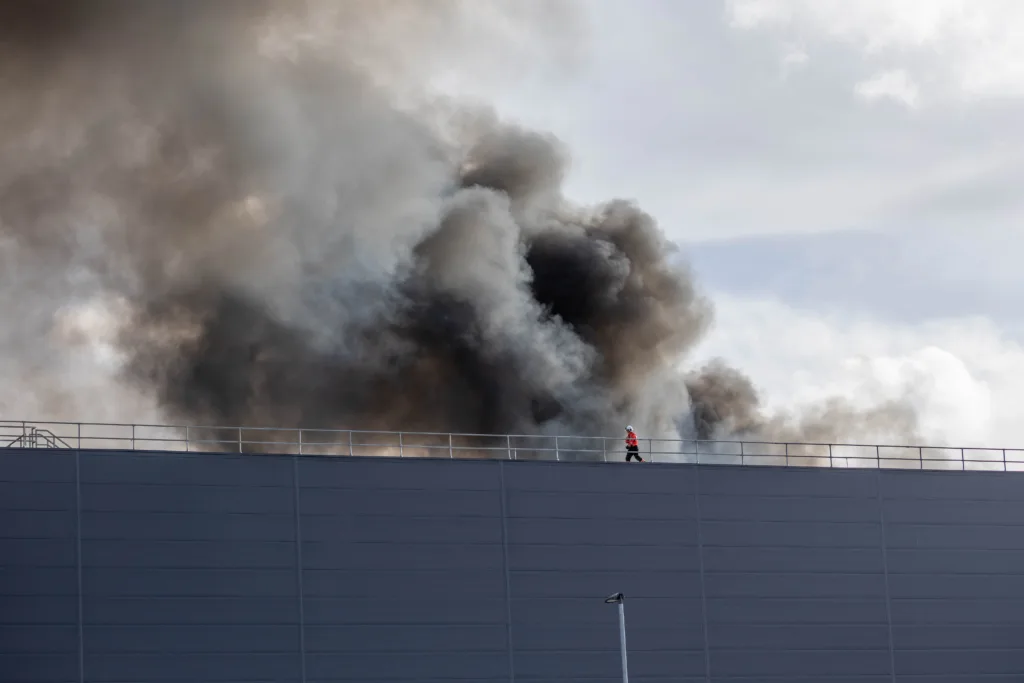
x=508 y=581
x=78 y=563
x=703 y=592
x=298 y=569
x=885 y=573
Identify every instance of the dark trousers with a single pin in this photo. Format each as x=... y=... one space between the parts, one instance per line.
x=633 y=452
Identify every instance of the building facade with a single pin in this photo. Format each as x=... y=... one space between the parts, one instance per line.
x=199 y=568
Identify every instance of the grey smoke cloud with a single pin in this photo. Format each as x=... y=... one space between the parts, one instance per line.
x=724 y=402
x=280 y=235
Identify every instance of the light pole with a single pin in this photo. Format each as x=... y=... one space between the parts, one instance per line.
x=619 y=599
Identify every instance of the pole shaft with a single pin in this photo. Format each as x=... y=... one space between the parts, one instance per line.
x=622 y=641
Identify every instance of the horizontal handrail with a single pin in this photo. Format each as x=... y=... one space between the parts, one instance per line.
x=36 y=434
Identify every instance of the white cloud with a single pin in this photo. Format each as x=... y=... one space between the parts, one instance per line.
x=895 y=85
x=969 y=49
x=795 y=56
x=963 y=375
x=748 y=122
x=794 y=59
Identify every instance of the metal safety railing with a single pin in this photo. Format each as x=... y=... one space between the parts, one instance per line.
x=197 y=438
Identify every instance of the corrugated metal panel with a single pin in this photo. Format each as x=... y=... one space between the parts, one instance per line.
x=196 y=568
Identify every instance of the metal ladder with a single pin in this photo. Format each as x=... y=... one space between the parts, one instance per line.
x=33 y=437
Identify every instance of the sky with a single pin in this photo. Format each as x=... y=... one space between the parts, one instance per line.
x=844 y=177
x=841 y=175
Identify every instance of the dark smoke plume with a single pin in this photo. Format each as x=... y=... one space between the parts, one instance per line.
x=266 y=221
x=724 y=403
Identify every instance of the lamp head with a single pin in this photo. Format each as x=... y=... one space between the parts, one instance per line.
x=615 y=599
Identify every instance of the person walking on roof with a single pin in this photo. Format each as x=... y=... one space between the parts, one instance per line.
x=632 y=445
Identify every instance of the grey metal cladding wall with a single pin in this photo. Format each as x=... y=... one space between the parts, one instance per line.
x=794 y=575
x=955 y=549
x=576 y=534
x=196 y=568
x=188 y=568
x=403 y=570
x=38 y=568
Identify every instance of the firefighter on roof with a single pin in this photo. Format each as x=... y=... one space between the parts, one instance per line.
x=632 y=445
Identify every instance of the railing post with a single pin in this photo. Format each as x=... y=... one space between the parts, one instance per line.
x=451 y=450
x=187 y=445
x=878 y=457
x=350 y=443
x=604 y=449
x=787 y=455
x=401 y=449
x=557 y=458
x=920 y=457
x=133 y=437
x=508 y=445
x=1004 y=460
x=743 y=456
x=300 y=440
x=79 y=436
x=239 y=439
x=830 y=463
x=963 y=462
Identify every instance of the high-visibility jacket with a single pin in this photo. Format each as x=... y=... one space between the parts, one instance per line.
x=631 y=439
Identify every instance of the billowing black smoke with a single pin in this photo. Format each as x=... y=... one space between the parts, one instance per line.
x=284 y=240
